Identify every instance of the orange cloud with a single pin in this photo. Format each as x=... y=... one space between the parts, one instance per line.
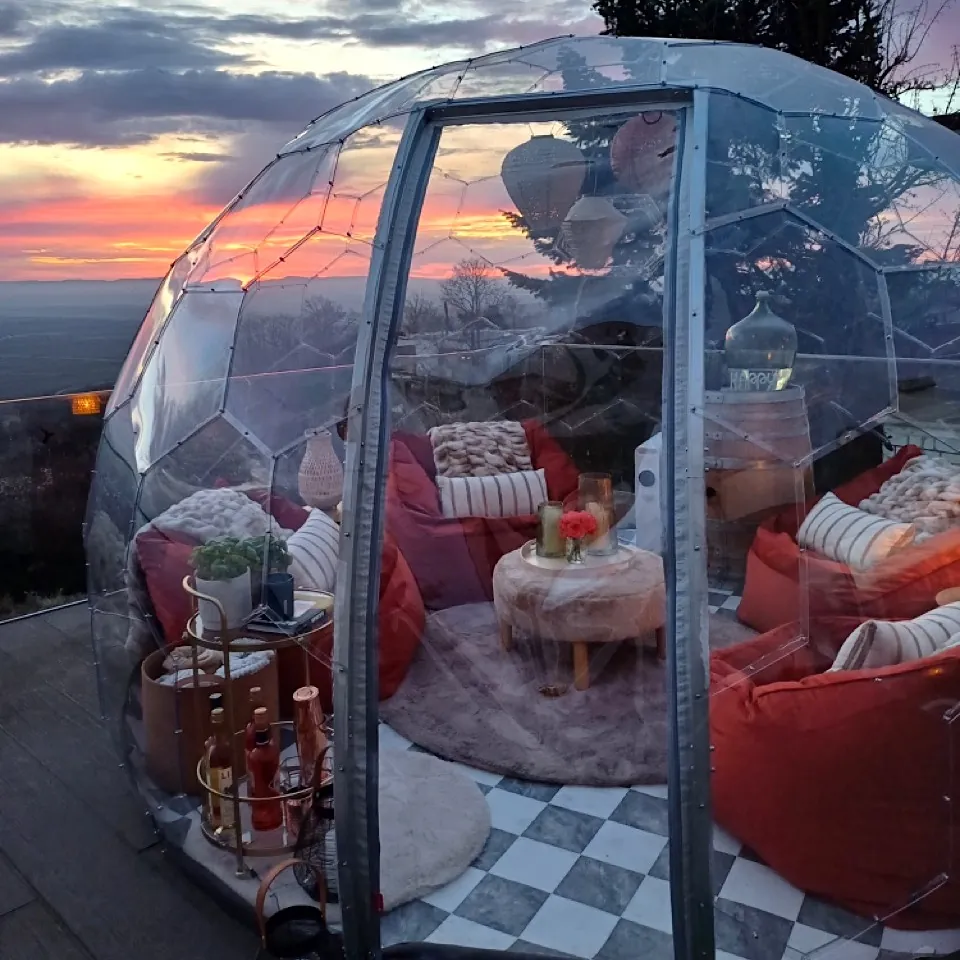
x=97 y=237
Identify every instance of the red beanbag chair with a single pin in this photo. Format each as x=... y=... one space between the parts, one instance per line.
x=453 y=558
x=901 y=587
x=840 y=781
x=165 y=560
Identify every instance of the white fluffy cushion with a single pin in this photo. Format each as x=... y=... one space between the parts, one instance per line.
x=503 y=495
x=884 y=643
x=314 y=550
x=851 y=536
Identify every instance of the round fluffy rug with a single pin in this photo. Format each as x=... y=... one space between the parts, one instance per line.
x=434 y=822
x=466 y=699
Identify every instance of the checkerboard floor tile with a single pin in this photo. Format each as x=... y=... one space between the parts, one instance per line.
x=585 y=872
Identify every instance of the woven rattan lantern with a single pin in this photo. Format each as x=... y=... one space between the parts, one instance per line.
x=590 y=230
x=543 y=177
x=641 y=153
x=320 y=479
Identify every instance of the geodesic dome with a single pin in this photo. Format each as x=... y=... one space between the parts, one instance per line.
x=505 y=310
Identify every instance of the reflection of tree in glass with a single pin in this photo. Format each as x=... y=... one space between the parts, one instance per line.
x=472 y=289
x=422 y=315
x=629 y=289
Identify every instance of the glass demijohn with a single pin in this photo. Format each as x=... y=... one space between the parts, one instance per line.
x=760 y=349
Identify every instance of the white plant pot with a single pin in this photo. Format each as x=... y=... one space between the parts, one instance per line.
x=235 y=597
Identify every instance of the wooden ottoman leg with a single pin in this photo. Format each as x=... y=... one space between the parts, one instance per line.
x=662 y=643
x=506 y=636
x=581 y=666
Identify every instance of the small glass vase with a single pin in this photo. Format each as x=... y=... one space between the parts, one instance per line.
x=596 y=498
x=575 y=551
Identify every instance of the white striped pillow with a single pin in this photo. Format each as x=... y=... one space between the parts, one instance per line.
x=314 y=550
x=884 y=643
x=501 y=495
x=852 y=536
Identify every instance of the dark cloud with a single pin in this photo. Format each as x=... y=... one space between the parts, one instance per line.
x=12 y=17
x=136 y=106
x=111 y=46
x=196 y=156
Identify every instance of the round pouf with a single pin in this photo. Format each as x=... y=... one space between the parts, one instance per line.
x=434 y=822
x=602 y=600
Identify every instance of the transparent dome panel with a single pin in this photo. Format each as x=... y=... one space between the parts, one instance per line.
x=873 y=187
x=293 y=355
x=282 y=206
x=783 y=83
x=525 y=400
x=369 y=109
x=936 y=139
x=146 y=338
x=832 y=298
x=743 y=156
x=182 y=384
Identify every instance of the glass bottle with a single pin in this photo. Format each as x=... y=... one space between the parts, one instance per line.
x=263 y=764
x=256 y=704
x=760 y=349
x=220 y=772
x=311 y=738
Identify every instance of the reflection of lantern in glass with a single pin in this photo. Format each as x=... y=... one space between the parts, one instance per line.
x=641 y=153
x=590 y=230
x=543 y=177
x=760 y=349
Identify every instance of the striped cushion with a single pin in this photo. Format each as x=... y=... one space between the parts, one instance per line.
x=882 y=643
x=314 y=550
x=851 y=536
x=502 y=495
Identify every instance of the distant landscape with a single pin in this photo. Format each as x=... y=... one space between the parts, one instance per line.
x=69 y=336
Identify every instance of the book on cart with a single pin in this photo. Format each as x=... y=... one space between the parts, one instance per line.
x=307 y=616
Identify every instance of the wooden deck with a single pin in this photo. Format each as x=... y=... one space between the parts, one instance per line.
x=82 y=873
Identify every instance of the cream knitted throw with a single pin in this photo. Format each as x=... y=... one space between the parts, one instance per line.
x=925 y=493
x=480 y=449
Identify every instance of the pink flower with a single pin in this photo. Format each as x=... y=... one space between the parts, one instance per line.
x=577 y=524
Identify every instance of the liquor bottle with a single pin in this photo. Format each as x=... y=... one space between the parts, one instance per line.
x=760 y=349
x=256 y=703
x=311 y=738
x=263 y=763
x=220 y=772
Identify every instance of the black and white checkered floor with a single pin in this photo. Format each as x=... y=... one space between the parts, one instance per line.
x=583 y=871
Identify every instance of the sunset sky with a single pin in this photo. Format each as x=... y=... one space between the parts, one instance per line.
x=124 y=129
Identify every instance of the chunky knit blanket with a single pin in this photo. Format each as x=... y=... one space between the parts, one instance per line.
x=480 y=449
x=925 y=493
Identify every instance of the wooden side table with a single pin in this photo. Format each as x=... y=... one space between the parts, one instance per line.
x=604 y=600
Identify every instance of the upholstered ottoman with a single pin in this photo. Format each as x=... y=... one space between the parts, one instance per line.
x=603 y=600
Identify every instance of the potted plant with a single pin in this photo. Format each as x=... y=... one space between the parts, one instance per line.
x=222 y=569
x=268 y=556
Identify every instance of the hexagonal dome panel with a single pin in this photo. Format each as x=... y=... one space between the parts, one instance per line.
x=832 y=296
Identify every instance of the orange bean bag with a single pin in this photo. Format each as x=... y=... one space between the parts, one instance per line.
x=841 y=781
x=901 y=587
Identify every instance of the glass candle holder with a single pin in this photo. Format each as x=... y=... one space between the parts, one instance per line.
x=550 y=543
x=596 y=497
